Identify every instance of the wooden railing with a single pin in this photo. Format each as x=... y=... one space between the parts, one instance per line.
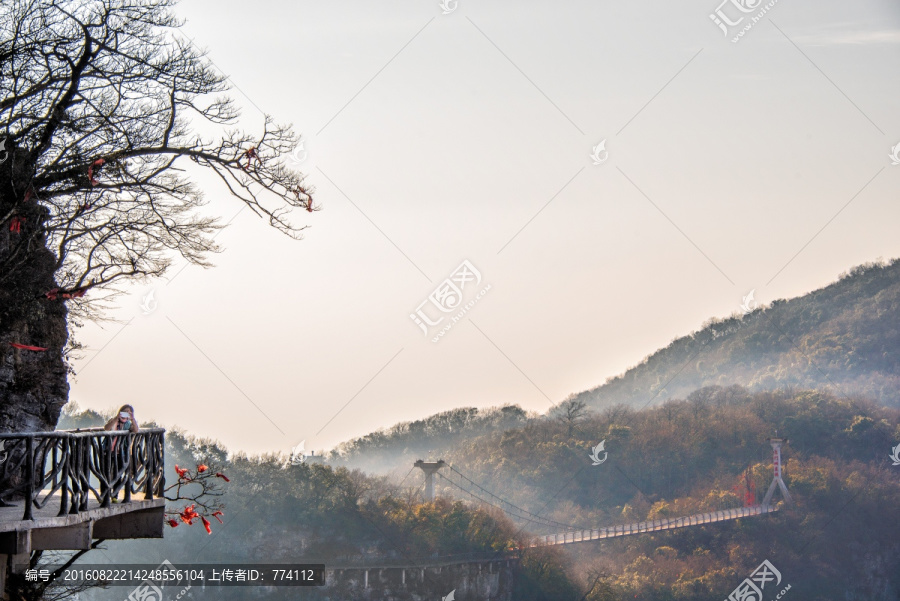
x=71 y=465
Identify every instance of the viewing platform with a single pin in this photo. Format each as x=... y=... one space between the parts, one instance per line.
x=57 y=490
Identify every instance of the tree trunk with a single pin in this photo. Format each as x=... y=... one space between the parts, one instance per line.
x=33 y=384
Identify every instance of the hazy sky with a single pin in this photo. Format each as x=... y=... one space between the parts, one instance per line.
x=434 y=139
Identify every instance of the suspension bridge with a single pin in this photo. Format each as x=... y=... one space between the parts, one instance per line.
x=567 y=534
x=492 y=575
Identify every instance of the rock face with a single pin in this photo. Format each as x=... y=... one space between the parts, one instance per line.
x=33 y=384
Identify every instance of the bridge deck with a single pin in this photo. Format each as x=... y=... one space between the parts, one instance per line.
x=577 y=536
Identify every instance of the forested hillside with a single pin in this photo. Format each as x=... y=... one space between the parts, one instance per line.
x=690 y=456
x=844 y=337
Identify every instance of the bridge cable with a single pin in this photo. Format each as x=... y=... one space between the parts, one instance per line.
x=517 y=508
x=546 y=522
x=486 y=502
x=406 y=476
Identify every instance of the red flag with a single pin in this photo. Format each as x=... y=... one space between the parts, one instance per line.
x=27 y=347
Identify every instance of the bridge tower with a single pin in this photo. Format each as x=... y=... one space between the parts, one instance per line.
x=776 y=466
x=429 y=467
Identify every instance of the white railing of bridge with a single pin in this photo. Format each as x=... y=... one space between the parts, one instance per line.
x=564 y=538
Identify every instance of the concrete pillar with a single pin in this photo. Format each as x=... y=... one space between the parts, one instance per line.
x=365 y=578
x=15 y=541
x=19 y=562
x=429 y=467
x=777 y=482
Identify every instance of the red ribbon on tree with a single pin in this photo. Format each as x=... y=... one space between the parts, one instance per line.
x=189 y=515
x=15 y=225
x=307 y=203
x=251 y=154
x=27 y=347
x=55 y=293
x=98 y=163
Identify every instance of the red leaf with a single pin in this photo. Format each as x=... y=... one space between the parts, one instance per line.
x=201 y=468
x=206 y=525
x=173 y=523
x=216 y=515
x=222 y=476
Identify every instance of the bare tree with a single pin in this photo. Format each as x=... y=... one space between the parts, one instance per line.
x=569 y=412
x=99 y=101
